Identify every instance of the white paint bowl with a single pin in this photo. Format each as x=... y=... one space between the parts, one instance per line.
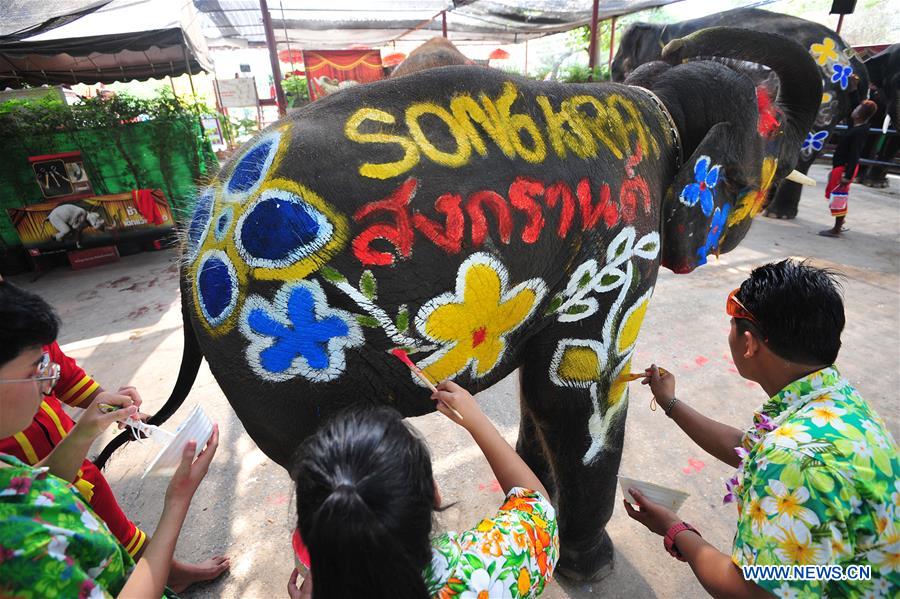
x=670 y=498
x=196 y=427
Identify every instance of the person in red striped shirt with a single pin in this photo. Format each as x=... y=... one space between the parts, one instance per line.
x=51 y=424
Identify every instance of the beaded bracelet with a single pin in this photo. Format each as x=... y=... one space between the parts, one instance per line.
x=668 y=408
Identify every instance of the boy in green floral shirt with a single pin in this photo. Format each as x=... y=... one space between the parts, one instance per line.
x=817 y=472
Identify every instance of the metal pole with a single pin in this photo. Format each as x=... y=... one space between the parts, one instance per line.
x=840 y=22
x=444 y=23
x=273 y=57
x=526 y=58
x=612 y=45
x=187 y=67
x=592 y=47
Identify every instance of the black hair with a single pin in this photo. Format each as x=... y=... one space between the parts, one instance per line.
x=26 y=320
x=799 y=310
x=365 y=503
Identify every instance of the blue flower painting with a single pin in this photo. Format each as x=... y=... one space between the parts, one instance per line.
x=701 y=190
x=298 y=334
x=716 y=228
x=814 y=141
x=841 y=75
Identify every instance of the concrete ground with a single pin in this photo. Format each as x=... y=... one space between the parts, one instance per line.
x=122 y=322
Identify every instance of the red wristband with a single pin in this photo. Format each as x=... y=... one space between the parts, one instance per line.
x=669 y=539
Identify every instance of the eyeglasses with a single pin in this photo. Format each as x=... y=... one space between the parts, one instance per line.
x=736 y=309
x=46 y=375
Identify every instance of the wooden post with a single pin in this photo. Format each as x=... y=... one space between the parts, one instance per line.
x=592 y=46
x=612 y=46
x=840 y=22
x=273 y=57
x=444 y=23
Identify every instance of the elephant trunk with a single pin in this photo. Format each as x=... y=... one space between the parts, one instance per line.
x=800 y=82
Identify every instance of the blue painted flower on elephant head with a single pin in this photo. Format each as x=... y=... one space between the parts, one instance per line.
x=716 y=228
x=841 y=74
x=815 y=141
x=252 y=167
x=703 y=187
x=298 y=334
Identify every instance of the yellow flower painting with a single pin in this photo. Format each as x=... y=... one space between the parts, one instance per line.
x=471 y=324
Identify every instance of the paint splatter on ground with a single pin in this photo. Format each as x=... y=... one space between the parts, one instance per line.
x=491 y=487
x=694 y=465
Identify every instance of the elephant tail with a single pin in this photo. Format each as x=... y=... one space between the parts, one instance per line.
x=190 y=365
x=800 y=81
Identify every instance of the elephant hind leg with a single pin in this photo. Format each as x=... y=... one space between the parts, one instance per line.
x=582 y=442
x=530 y=446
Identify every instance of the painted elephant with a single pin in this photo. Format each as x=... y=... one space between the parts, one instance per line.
x=642 y=42
x=483 y=222
x=884 y=74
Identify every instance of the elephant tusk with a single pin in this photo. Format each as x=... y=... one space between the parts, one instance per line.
x=798 y=177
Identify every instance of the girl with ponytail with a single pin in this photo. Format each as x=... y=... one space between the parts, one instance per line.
x=365 y=503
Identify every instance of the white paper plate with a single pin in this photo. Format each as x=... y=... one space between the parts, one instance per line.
x=670 y=498
x=197 y=427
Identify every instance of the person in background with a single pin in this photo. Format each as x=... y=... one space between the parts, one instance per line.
x=817 y=471
x=845 y=164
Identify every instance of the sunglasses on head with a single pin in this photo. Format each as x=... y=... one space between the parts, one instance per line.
x=736 y=309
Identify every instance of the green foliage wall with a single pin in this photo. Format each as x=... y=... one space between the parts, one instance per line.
x=126 y=143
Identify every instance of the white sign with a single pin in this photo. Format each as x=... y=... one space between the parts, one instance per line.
x=235 y=93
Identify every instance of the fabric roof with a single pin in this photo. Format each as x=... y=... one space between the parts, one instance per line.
x=122 y=40
x=23 y=18
x=337 y=24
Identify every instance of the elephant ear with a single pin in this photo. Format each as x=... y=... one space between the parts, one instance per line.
x=698 y=202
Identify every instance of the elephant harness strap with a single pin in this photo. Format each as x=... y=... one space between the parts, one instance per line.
x=673 y=129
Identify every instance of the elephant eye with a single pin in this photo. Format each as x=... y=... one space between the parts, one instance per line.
x=252 y=167
x=199 y=222
x=279 y=229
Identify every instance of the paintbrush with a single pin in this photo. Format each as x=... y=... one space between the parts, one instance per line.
x=149 y=430
x=404 y=357
x=633 y=376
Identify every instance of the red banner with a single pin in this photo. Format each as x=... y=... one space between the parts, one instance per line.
x=327 y=71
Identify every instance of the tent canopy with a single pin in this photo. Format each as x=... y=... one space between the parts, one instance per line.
x=122 y=40
x=339 y=24
x=24 y=18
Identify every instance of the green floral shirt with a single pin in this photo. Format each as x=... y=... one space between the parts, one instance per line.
x=508 y=556
x=51 y=543
x=818 y=484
